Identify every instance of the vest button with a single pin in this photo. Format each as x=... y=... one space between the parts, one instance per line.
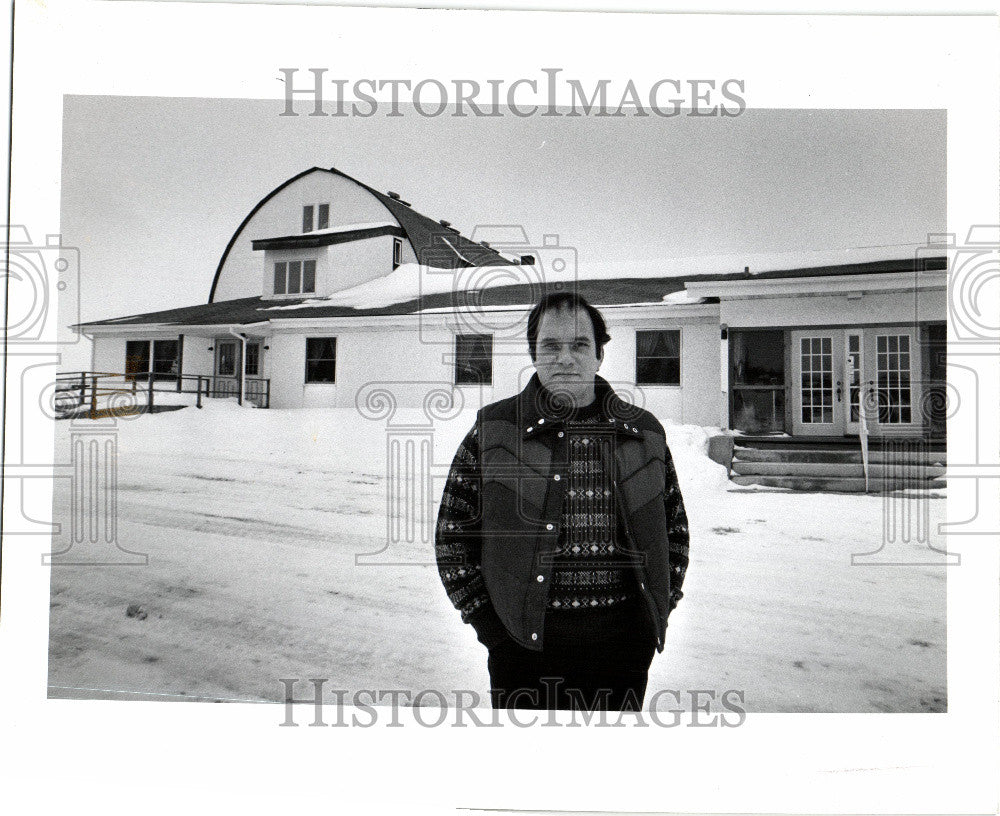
x=557 y=477
x=548 y=527
x=540 y=578
x=534 y=635
x=541 y=421
x=561 y=434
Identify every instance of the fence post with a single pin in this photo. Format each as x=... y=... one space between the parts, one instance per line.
x=83 y=388
x=267 y=393
x=93 y=397
x=149 y=406
x=198 y=401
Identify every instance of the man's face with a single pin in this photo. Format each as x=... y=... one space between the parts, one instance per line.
x=566 y=357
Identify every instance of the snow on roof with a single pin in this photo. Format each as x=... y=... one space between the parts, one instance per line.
x=411 y=281
x=682 y=298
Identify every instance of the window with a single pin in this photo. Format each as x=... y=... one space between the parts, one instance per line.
x=894 y=397
x=252 y=367
x=757 y=380
x=321 y=359
x=136 y=359
x=294 y=277
x=658 y=357
x=322 y=214
x=165 y=359
x=397 y=252
x=474 y=359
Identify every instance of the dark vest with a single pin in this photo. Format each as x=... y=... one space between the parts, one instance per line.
x=521 y=456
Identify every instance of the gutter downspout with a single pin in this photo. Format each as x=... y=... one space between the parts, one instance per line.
x=243 y=356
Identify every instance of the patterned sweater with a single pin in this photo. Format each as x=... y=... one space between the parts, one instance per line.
x=588 y=570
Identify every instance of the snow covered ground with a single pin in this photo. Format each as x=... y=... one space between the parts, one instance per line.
x=253 y=521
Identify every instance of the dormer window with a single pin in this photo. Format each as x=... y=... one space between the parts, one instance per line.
x=294 y=277
x=321 y=212
x=397 y=252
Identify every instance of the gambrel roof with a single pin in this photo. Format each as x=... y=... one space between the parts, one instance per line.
x=434 y=243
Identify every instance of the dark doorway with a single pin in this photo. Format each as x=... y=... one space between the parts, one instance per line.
x=757 y=380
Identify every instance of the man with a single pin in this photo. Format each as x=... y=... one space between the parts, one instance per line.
x=562 y=536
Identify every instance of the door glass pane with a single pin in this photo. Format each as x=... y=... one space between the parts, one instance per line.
x=226 y=362
x=816 y=394
x=854 y=376
x=893 y=380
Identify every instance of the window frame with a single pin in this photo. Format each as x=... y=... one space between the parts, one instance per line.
x=458 y=369
x=680 y=358
x=285 y=274
x=150 y=357
x=257 y=347
x=397 y=252
x=308 y=360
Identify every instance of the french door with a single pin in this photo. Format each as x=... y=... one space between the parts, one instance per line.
x=841 y=377
x=817 y=382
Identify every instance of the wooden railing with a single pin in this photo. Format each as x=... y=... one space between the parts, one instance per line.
x=103 y=393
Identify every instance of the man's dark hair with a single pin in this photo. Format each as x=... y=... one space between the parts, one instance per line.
x=566 y=300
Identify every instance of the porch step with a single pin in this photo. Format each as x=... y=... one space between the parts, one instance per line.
x=835 y=465
x=878 y=455
x=838 y=469
x=821 y=484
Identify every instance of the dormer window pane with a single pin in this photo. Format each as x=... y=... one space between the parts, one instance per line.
x=324 y=217
x=307 y=218
x=294 y=277
x=309 y=276
x=279 y=278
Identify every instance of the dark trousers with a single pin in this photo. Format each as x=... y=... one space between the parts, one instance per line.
x=594 y=659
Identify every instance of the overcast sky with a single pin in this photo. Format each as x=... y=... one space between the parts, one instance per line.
x=153 y=188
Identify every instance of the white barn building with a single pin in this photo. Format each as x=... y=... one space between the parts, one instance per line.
x=329 y=286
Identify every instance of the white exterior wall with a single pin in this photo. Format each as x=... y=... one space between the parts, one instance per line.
x=834 y=310
x=109 y=355
x=411 y=360
x=696 y=400
x=197 y=358
x=109 y=352
x=339 y=266
x=358 y=261
x=282 y=215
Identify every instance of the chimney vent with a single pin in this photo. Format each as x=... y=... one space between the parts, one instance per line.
x=394 y=195
x=444 y=223
x=528 y=260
